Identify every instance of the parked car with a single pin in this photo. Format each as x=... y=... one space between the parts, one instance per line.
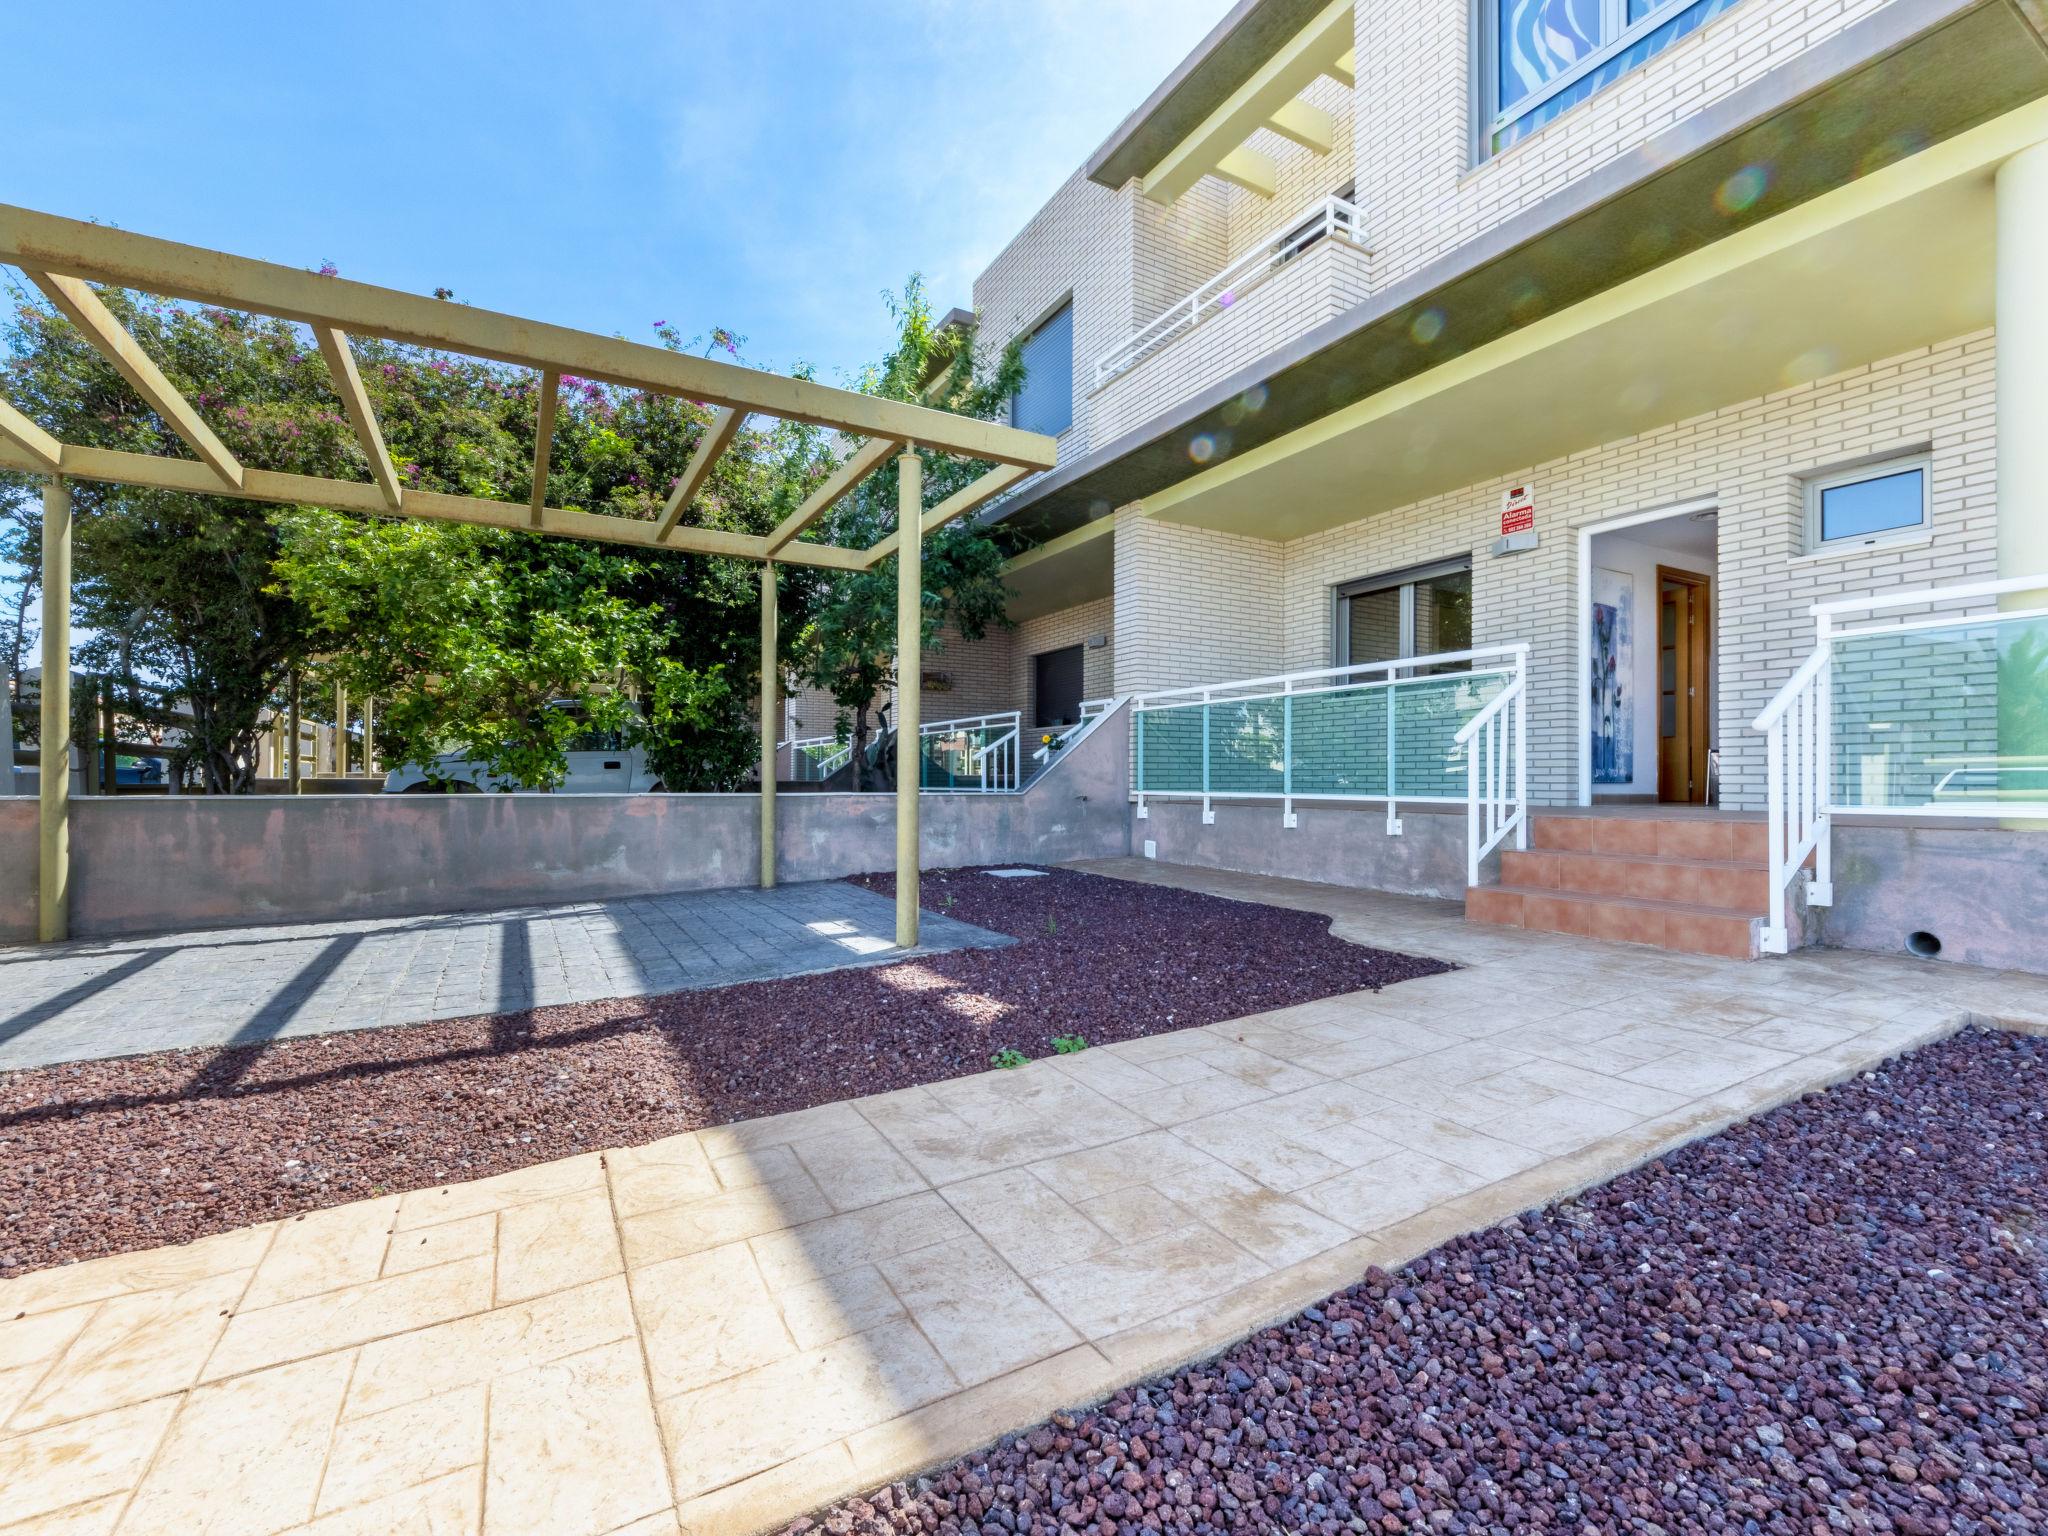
x=599 y=763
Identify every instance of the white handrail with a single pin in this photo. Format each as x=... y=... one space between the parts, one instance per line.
x=1332 y=217
x=1337 y=677
x=1801 y=797
x=1496 y=742
x=1508 y=777
x=1783 y=701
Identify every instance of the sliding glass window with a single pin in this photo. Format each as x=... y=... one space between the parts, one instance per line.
x=1425 y=611
x=1537 y=58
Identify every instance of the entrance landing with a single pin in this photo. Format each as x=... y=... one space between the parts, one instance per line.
x=720 y=1331
x=237 y=986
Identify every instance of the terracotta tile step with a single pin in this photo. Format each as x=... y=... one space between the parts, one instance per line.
x=1726 y=885
x=1681 y=837
x=1624 y=919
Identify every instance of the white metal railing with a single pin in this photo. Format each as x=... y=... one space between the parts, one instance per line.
x=1496 y=743
x=814 y=759
x=1930 y=716
x=1331 y=218
x=976 y=754
x=1383 y=731
x=1064 y=736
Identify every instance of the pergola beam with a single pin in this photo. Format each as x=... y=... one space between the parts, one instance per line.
x=114 y=467
x=47 y=243
x=959 y=504
x=543 y=444
x=82 y=307
x=44 y=449
x=842 y=480
x=348 y=383
x=718 y=435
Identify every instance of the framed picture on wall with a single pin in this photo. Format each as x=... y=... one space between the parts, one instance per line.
x=1613 y=682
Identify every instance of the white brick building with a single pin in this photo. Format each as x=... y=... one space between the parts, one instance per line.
x=1721 y=284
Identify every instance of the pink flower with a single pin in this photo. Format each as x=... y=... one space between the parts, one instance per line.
x=329 y=269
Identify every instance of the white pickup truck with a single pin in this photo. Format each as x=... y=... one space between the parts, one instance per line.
x=600 y=763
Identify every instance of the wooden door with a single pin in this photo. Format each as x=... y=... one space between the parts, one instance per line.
x=1684 y=655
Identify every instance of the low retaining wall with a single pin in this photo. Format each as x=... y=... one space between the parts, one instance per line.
x=1334 y=844
x=1982 y=891
x=150 y=864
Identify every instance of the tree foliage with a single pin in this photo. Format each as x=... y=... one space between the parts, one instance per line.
x=470 y=638
x=847 y=645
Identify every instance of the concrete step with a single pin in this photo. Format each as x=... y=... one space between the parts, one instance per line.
x=1677 y=925
x=1716 y=838
x=1724 y=884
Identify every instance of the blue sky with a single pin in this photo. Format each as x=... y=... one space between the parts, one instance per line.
x=770 y=167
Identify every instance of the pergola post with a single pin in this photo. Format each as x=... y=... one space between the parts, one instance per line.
x=770 y=703
x=909 y=685
x=53 y=872
x=291 y=770
x=369 y=725
x=340 y=731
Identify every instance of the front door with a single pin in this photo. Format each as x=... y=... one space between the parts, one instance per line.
x=1056 y=692
x=1684 y=652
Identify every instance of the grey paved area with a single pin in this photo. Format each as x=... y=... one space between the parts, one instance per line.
x=115 y=997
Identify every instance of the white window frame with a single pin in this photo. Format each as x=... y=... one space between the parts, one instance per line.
x=1908 y=533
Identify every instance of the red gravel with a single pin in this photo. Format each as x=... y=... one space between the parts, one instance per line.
x=1831 y=1318
x=107 y=1156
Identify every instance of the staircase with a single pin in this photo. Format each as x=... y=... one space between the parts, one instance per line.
x=1695 y=882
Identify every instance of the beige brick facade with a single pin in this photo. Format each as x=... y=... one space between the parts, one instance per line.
x=1195 y=606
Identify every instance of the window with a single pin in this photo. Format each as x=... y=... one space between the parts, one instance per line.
x=1421 y=612
x=1872 y=505
x=1045 y=403
x=1539 y=57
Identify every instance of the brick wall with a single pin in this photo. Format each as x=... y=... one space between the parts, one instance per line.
x=1194 y=606
x=1197 y=606
x=1422 y=192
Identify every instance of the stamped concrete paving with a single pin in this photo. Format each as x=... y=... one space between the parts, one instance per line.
x=724 y=1329
x=116 y=997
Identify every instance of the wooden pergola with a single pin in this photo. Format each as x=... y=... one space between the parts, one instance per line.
x=65 y=258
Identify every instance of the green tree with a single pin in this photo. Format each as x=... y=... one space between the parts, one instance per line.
x=846 y=644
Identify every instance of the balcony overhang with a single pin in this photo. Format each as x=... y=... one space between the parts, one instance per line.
x=1235 y=50
x=1075 y=568
x=1884 y=92
x=1899 y=260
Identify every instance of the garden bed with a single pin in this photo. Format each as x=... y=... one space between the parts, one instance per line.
x=108 y=1156
x=1831 y=1318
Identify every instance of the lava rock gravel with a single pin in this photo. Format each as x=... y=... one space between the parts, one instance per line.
x=108 y=1156
x=1832 y=1318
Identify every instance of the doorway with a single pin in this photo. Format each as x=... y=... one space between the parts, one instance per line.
x=1057 y=686
x=1684 y=639
x=1647 y=657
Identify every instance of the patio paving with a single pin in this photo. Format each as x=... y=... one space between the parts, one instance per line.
x=724 y=1329
x=232 y=986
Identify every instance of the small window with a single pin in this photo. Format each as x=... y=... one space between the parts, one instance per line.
x=1421 y=612
x=1872 y=505
x=1045 y=402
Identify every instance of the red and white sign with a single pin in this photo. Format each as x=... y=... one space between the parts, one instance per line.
x=1517 y=509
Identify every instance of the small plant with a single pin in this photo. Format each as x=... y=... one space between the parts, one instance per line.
x=947 y=904
x=1009 y=1056
x=1052 y=924
x=1067 y=1045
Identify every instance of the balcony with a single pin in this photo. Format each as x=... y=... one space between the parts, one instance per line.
x=1317 y=266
